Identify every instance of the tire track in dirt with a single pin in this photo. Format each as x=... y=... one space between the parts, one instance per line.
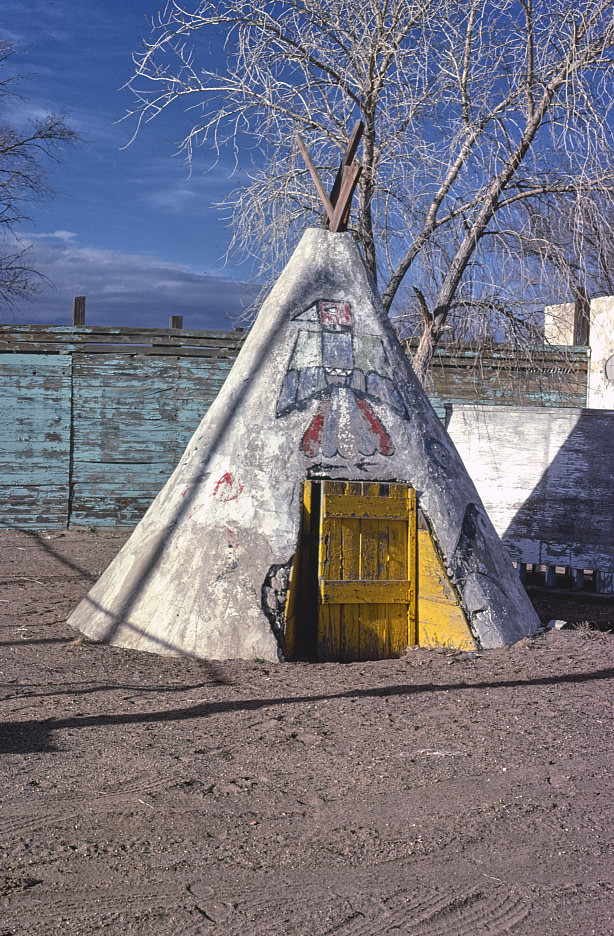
x=378 y=904
x=437 y=795
x=94 y=908
x=19 y=822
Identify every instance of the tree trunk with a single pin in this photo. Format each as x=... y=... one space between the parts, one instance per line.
x=429 y=340
x=366 y=236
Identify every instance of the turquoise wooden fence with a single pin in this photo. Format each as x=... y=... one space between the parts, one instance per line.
x=35 y=439
x=95 y=419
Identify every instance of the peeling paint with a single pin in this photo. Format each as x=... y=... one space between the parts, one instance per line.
x=274 y=595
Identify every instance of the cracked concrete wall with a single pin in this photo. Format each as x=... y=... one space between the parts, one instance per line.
x=320 y=389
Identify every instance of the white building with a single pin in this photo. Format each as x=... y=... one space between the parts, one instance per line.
x=559 y=326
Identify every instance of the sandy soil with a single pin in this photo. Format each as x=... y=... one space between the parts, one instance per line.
x=437 y=795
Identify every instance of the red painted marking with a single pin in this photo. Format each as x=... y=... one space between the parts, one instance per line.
x=194 y=510
x=312 y=439
x=227 y=478
x=227 y=487
x=385 y=442
x=335 y=313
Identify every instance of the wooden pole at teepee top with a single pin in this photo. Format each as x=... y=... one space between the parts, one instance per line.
x=337 y=207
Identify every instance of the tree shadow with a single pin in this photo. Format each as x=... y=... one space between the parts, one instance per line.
x=568 y=518
x=218 y=680
x=36 y=640
x=24 y=737
x=46 y=546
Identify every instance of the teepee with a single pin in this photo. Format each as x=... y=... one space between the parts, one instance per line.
x=320 y=394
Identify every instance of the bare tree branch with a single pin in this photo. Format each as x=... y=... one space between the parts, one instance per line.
x=23 y=153
x=478 y=117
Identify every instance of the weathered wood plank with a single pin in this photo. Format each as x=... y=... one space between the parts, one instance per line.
x=364 y=592
x=158 y=350
x=117 y=510
x=34 y=440
x=143 y=478
x=67 y=334
x=132 y=421
x=553 y=376
x=34 y=506
x=353 y=506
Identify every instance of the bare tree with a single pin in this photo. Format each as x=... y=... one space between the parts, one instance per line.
x=579 y=243
x=477 y=115
x=24 y=148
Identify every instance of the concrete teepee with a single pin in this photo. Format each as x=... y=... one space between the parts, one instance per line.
x=320 y=389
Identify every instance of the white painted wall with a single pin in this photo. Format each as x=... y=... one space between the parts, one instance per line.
x=600 y=388
x=558 y=330
x=558 y=323
x=545 y=476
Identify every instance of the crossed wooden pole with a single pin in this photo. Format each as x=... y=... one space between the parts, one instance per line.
x=337 y=205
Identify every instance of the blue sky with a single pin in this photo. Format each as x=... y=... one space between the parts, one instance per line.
x=126 y=228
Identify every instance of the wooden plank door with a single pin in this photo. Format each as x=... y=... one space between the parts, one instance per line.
x=366 y=570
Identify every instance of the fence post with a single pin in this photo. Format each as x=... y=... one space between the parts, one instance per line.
x=577 y=579
x=175 y=321
x=605 y=583
x=78 y=310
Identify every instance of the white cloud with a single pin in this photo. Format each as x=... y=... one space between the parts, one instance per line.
x=127 y=289
x=201 y=187
x=54 y=235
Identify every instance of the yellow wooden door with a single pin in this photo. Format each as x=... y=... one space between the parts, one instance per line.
x=366 y=570
x=441 y=619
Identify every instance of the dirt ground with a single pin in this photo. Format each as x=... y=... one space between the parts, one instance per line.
x=443 y=794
